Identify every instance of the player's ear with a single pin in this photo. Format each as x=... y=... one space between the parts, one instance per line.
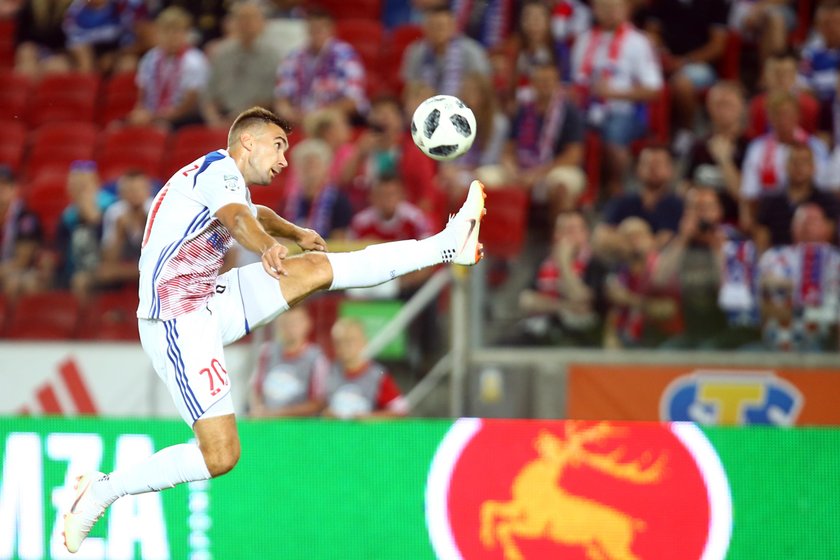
x=247 y=140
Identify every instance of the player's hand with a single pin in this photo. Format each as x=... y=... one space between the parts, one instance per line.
x=309 y=240
x=272 y=260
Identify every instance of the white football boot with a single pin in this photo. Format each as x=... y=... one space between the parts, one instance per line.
x=83 y=513
x=465 y=226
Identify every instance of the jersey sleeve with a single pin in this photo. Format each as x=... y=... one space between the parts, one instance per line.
x=219 y=183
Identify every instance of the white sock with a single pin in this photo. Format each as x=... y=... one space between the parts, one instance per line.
x=379 y=263
x=166 y=468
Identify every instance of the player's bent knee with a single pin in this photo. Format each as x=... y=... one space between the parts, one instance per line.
x=222 y=461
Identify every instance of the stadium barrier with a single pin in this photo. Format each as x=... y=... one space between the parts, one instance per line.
x=422 y=489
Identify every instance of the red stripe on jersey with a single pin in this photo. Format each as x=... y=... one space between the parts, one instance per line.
x=153 y=213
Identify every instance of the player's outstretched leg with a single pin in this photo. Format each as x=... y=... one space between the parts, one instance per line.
x=95 y=491
x=457 y=243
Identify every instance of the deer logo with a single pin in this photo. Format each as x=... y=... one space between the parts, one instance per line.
x=540 y=508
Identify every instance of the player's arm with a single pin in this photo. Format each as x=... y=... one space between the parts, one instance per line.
x=246 y=230
x=307 y=239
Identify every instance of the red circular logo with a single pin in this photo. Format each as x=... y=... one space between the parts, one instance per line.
x=519 y=490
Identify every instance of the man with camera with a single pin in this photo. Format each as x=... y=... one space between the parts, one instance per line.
x=713 y=270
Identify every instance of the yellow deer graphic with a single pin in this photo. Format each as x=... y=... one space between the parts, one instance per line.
x=541 y=509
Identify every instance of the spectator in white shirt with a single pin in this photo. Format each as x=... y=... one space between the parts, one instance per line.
x=171 y=76
x=616 y=73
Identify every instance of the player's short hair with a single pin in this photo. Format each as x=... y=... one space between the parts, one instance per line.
x=175 y=15
x=252 y=117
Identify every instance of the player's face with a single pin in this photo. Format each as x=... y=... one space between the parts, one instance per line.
x=268 y=154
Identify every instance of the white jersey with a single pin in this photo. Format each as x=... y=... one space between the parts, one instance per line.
x=184 y=243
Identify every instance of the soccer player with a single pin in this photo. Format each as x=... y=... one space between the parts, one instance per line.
x=188 y=312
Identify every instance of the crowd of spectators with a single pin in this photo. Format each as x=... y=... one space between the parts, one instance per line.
x=681 y=158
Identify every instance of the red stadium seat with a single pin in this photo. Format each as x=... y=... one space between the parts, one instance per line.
x=503 y=231
x=730 y=63
x=111 y=316
x=14 y=95
x=132 y=147
x=64 y=97
x=47 y=197
x=342 y=9
x=118 y=99
x=7 y=42
x=190 y=143
x=55 y=146
x=367 y=37
x=12 y=143
x=391 y=57
x=52 y=316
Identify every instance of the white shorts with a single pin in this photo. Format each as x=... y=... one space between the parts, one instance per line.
x=187 y=352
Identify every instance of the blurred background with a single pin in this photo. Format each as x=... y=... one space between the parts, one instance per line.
x=661 y=239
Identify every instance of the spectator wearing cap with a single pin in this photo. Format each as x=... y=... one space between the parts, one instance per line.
x=715 y=159
x=21 y=241
x=327 y=72
x=766 y=161
x=691 y=35
x=171 y=76
x=101 y=33
x=243 y=69
x=443 y=56
x=357 y=387
x=775 y=211
x=616 y=74
x=79 y=235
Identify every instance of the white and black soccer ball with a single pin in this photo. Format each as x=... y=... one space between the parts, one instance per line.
x=443 y=127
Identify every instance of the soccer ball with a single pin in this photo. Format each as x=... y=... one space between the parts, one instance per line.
x=443 y=127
